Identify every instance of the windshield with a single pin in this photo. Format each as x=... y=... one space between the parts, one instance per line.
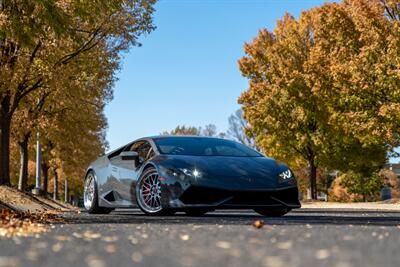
x=197 y=146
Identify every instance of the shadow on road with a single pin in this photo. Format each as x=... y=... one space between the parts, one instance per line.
x=300 y=217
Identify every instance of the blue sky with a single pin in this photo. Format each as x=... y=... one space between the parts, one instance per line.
x=186 y=72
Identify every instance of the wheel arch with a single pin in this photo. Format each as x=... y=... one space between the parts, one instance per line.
x=147 y=166
x=90 y=170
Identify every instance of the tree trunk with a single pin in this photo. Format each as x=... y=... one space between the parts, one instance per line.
x=45 y=171
x=312 y=178
x=23 y=171
x=5 y=123
x=55 y=189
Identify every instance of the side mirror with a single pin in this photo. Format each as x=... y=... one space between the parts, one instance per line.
x=129 y=155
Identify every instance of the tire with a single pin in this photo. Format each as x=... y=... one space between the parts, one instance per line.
x=90 y=196
x=149 y=195
x=196 y=212
x=271 y=213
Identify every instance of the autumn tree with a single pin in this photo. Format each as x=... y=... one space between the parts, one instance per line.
x=73 y=124
x=38 y=39
x=208 y=130
x=183 y=130
x=325 y=88
x=24 y=123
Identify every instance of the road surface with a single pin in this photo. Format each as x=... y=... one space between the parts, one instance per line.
x=334 y=238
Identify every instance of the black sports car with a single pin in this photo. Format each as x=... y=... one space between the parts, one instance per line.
x=165 y=174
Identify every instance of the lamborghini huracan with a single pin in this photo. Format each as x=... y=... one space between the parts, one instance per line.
x=165 y=174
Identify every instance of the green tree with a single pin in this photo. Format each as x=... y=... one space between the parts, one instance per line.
x=366 y=187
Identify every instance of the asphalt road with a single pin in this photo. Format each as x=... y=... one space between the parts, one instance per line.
x=227 y=238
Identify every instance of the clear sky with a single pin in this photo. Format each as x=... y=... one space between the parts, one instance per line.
x=186 y=72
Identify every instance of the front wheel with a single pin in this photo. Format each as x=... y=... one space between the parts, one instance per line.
x=271 y=213
x=148 y=194
x=90 y=196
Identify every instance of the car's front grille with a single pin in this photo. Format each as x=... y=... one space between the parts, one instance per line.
x=211 y=196
x=251 y=198
x=204 y=195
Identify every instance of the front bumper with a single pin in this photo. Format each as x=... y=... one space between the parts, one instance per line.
x=217 y=198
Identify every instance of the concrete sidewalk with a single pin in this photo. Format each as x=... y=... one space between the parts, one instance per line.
x=22 y=201
x=379 y=206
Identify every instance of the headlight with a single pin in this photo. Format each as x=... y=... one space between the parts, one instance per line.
x=285 y=176
x=192 y=173
x=185 y=172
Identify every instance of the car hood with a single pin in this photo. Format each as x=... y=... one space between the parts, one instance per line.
x=234 y=172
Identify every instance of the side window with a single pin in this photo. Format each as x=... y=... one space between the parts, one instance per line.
x=144 y=149
x=229 y=151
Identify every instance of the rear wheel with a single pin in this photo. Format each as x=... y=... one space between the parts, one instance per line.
x=90 y=196
x=271 y=213
x=148 y=194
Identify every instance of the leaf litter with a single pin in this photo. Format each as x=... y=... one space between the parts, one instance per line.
x=15 y=223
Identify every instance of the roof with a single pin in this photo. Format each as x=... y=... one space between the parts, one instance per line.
x=181 y=136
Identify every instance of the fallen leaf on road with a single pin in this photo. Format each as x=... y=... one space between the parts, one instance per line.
x=273 y=261
x=133 y=239
x=77 y=235
x=284 y=245
x=145 y=236
x=63 y=238
x=258 y=224
x=91 y=235
x=57 y=247
x=111 y=248
x=9 y=261
x=95 y=261
x=223 y=244
x=348 y=237
x=184 y=237
x=32 y=255
x=110 y=238
x=322 y=254
x=136 y=257
x=235 y=252
x=14 y=223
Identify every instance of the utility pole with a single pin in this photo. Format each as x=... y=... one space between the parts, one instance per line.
x=66 y=191
x=38 y=190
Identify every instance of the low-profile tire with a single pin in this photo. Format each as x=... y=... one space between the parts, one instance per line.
x=271 y=213
x=196 y=212
x=149 y=195
x=90 y=196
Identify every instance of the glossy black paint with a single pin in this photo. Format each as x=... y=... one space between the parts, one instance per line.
x=232 y=181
